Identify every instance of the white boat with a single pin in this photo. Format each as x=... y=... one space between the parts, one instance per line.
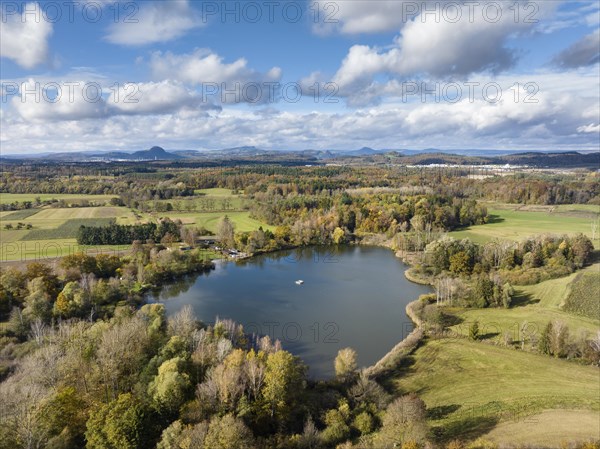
x=299 y=282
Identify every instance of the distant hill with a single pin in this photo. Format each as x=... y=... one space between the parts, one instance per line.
x=552 y=160
x=254 y=154
x=154 y=153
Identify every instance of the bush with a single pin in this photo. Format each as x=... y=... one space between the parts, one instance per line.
x=474 y=331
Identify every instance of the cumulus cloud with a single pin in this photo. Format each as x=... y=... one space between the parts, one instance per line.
x=24 y=37
x=203 y=67
x=155 y=21
x=378 y=16
x=75 y=101
x=435 y=48
x=584 y=52
x=561 y=117
x=364 y=16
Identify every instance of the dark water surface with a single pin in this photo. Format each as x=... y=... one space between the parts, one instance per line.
x=352 y=296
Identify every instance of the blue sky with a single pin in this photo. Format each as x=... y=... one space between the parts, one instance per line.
x=369 y=61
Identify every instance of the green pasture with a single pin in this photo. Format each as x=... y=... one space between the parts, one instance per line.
x=8 y=198
x=535 y=305
x=470 y=388
x=511 y=224
x=210 y=220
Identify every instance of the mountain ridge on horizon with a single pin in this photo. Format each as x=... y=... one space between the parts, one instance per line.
x=159 y=153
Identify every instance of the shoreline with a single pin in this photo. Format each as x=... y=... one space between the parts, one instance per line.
x=409 y=343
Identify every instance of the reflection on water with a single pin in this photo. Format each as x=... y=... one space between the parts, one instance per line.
x=352 y=296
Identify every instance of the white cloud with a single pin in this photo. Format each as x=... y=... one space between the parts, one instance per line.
x=562 y=118
x=155 y=98
x=438 y=48
x=24 y=37
x=155 y=21
x=364 y=16
x=202 y=67
x=59 y=101
x=379 y=16
x=76 y=101
x=591 y=128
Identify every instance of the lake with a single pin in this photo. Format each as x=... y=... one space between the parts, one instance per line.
x=352 y=296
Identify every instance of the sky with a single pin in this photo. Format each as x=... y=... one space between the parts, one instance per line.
x=304 y=74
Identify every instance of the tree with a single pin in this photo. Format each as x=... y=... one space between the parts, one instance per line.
x=559 y=338
x=484 y=291
x=507 y=295
x=228 y=432
x=63 y=417
x=339 y=236
x=37 y=302
x=364 y=423
x=474 y=331
x=345 y=364
x=225 y=232
x=403 y=422
x=117 y=425
x=70 y=301
x=337 y=429
x=282 y=384
x=460 y=263
x=544 y=341
x=169 y=387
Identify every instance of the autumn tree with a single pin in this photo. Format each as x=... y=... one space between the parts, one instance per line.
x=283 y=383
x=228 y=432
x=225 y=232
x=345 y=364
x=120 y=424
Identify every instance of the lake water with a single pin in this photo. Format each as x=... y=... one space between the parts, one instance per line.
x=352 y=296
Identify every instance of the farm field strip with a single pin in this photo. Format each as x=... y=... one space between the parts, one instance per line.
x=8 y=198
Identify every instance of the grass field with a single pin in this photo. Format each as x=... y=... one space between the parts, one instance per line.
x=535 y=305
x=66 y=230
x=583 y=296
x=549 y=427
x=54 y=231
x=470 y=388
x=214 y=192
x=209 y=220
x=7 y=198
x=19 y=215
x=515 y=224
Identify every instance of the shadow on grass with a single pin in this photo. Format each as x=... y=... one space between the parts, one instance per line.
x=492 y=219
x=489 y=335
x=522 y=300
x=441 y=411
x=595 y=257
x=450 y=319
x=470 y=427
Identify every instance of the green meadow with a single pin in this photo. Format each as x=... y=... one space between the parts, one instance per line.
x=472 y=389
x=8 y=198
x=534 y=306
x=512 y=223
